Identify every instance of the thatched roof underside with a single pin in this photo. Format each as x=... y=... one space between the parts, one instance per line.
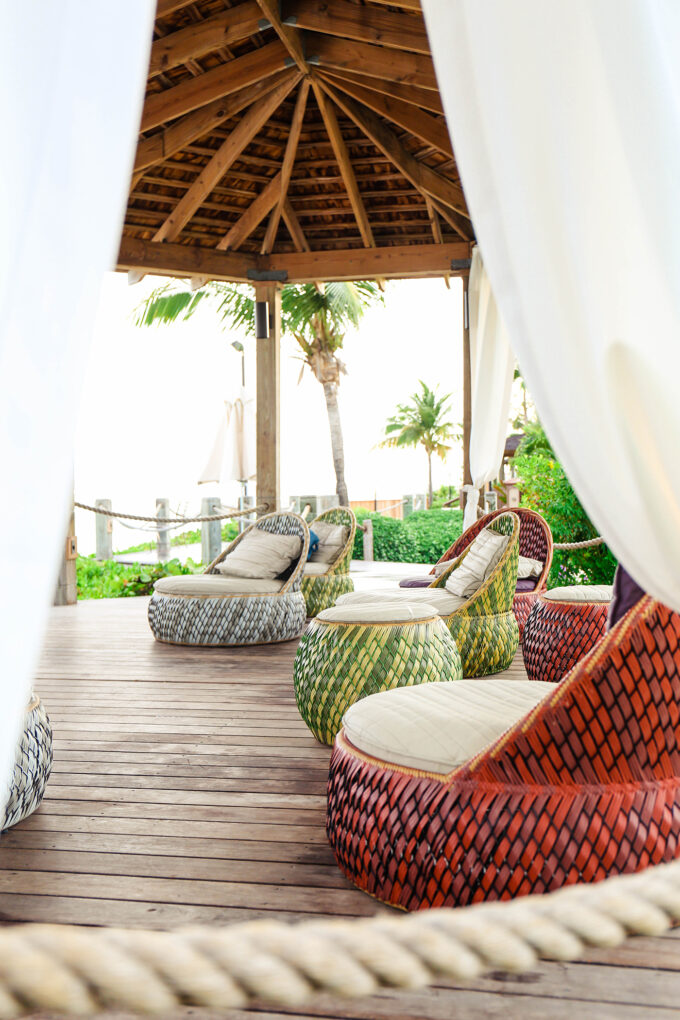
x=304 y=137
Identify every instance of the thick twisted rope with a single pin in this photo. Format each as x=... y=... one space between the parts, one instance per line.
x=72 y=970
x=586 y=544
x=173 y=520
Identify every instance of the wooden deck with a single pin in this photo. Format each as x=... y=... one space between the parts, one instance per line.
x=186 y=789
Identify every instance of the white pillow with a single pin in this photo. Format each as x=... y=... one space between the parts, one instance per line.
x=332 y=540
x=482 y=557
x=261 y=554
x=529 y=568
x=439 y=568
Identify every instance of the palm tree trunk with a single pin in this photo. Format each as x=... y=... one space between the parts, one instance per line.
x=429 y=480
x=330 y=390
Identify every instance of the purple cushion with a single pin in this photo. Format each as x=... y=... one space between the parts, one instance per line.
x=627 y=593
x=417 y=582
x=526 y=584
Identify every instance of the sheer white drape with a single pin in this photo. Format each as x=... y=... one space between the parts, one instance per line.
x=492 y=368
x=565 y=118
x=71 y=87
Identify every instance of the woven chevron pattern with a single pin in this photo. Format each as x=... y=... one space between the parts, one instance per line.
x=338 y=663
x=559 y=634
x=535 y=541
x=586 y=786
x=32 y=765
x=237 y=619
x=485 y=629
x=321 y=590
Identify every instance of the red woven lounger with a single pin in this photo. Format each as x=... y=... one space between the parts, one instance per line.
x=585 y=786
x=535 y=542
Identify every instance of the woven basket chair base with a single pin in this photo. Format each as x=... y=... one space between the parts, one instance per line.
x=558 y=634
x=487 y=644
x=32 y=767
x=235 y=620
x=586 y=786
x=337 y=664
x=522 y=604
x=322 y=591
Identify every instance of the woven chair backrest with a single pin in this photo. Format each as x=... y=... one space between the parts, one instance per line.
x=535 y=538
x=344 y=516
x=501 y=582
x=284 y=523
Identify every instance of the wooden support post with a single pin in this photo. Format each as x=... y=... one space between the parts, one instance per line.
x=103 y=531
x=467 y=384
x=163 y=542
x=368 y=540
x=67 y=588
x=269 y=403
x=211 y=531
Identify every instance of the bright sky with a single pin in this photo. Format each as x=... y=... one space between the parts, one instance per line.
x=153 y=398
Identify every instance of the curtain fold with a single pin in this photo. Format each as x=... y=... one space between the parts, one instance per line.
x=565 y=120
x=492 y=368
x=72 y=82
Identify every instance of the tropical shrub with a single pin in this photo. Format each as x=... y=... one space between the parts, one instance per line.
x=421 y=538
x=107 y=579
x=229 y=533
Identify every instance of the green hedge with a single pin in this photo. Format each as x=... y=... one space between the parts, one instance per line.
x=421 y=538
x=229 y=533
x=107 y=579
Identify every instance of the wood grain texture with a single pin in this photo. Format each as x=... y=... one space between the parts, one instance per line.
x=186 y=789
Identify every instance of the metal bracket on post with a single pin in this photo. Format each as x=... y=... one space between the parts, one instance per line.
x=268 y=275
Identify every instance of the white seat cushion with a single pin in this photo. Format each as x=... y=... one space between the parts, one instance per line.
x=215 y=584
x=528 y=567
x=315 y=569
x=440 y=598
x=482 y=558
x=378 y=612
x=437 y=727
x=332 y=540
x=261 y=554
x=581 y=593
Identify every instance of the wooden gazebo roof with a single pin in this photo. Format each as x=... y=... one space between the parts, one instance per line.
x=294 y=140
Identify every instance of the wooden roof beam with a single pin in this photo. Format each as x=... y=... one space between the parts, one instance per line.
x=406 y=5
x=294 y=229
x=183 y=132
x=290 y=37
x=205 y=36
x=409 y=261
x=183 y=260
x=363 y=24
x=424 y=99
x=430 y=130
x=422 y=177
x=211 y=174
x=342 y=155
x=221 y=81
x=166 y=7
x=253 y=216
x=287 y=165
x=374 y=61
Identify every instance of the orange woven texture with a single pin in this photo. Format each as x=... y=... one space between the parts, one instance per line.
x=558 y=634
x=586 y=786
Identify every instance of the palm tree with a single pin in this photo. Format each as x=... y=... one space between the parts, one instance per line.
x=422 y=423
x=317 y=315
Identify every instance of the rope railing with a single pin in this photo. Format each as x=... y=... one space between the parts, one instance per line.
x=586 y=544
x=164 y=521
x=74 y=970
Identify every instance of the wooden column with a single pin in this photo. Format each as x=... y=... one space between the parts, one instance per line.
x=67 y=589
x=467 y=384
x=269 y=403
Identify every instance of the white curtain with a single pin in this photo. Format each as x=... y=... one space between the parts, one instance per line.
x=71 y=87
x=233 y=454
x=565 y=119
x=492 y=368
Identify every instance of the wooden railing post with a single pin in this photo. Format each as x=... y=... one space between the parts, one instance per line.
x=67 y=586
x=368 y=539
x=211 y=531
x=103 y=531
x=163 y=543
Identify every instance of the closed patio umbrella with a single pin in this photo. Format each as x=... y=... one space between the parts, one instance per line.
x=232 y=457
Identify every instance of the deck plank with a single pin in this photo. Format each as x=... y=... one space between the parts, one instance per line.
x=186 y=789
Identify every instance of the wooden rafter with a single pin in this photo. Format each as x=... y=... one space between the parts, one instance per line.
x=344 y=162
x=430 y=130
x=221 y=81
x=244 y=132
x=287 y=165
x=253 y=216
x=363 y=24
x=423 y=178
x=294 y=228
x=204 y=37
x=434 y=222
x=183 y=132
x=374 y=61
x=425 y=99
x=406 y=5
x=166 y=7
x=290 y=37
